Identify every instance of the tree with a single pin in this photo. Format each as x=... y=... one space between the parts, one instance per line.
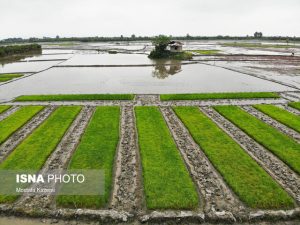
x=258 y=34
x=160 y=42
x=133 y=36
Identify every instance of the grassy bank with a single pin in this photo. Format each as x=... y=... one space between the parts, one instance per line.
x=32 y=153
x=96 y=151
x=207 y=96
x=248 y=180
x=289 y=119
x=295 y=105
x=8 y=76
x=280 y=144
x=74 y=97
x=15 y=121
x=3 y=108
x=167 y=183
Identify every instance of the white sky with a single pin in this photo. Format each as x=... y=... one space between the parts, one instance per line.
x=38 y=18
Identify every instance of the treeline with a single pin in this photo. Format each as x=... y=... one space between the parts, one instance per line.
x=18 y=49
x=143 y=38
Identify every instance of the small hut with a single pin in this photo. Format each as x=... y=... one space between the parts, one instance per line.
x=175 y=46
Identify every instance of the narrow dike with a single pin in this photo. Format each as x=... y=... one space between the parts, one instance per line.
x=125 y=184
x=286 y=177
x=219 y=200
x=16 y=138
x=272 y=122
x=58 y=161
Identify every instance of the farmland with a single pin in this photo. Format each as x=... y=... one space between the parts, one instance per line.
x=166 y=180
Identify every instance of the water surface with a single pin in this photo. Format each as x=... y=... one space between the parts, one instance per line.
x=196 y=78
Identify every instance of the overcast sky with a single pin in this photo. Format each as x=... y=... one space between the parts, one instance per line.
x=38 y=18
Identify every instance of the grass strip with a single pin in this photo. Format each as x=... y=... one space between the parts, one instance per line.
x=9 y=76
x=12 y=123
x=289 y=119
x=4 y=79
x=206 y=52
x=3 y=108
x=74 y=97
x=32 y=153
x=207 y=96
x=295 y=105
x=247 y=179
x=167 y=183
x=96 y=151
x=280 y=144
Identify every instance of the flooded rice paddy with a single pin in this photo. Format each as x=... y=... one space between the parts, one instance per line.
x=88 y=68
x=140 y=80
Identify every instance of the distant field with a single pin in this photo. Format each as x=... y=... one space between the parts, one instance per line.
x=62 y=44
x=74 y=97
x=206 y=96
x=257 y=45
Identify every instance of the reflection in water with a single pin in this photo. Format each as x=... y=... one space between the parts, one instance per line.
x=15 y=58
x=164 y=68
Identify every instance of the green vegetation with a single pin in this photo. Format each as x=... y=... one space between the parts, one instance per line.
x=3 y=108
x=18 y=49
x=32 y=153
x=280 y=144
x=181 y=55
x=4 y=79
x=247 y=179
x=256 y=45
x=12 y=123
x=289 y=119
x=9 y=76
x=206 y=52
x=167 y=183
x=295 y=105
x=96 y=151
x=206 y=96
x=74 y=97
